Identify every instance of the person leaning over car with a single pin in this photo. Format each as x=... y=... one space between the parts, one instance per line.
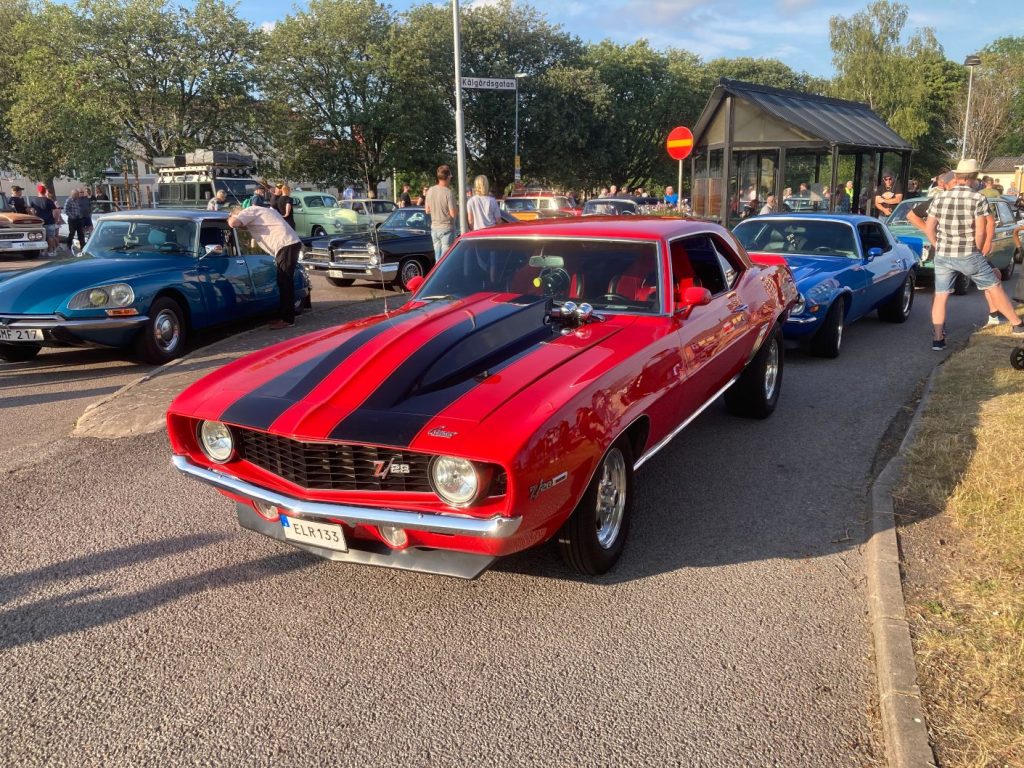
x=958 y=228
x=274 y=235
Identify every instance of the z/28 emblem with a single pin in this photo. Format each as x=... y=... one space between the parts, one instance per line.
x=547 y=485
x=381 y=469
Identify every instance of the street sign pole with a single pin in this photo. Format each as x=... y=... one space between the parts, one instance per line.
x=460 y=136
x=679 y=189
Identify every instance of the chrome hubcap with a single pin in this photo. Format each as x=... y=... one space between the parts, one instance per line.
x=412 y=269
x=166 y=330
x=839 y=330
x=908 y=292
x=771 y=370
x=611 y=498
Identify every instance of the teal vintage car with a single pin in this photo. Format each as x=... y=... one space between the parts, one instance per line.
x=316 y=214
x=1004 y=256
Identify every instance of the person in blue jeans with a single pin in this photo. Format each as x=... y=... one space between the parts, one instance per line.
x=443 y=210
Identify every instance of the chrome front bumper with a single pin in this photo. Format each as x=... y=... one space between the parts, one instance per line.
x=451 y=524
x=356 y=269
x=56 y=322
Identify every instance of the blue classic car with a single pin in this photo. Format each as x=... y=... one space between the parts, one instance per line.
x=845 y=267
x=146 y=278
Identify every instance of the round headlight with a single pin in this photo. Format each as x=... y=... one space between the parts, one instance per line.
x=371 y=248
x=98 y=297
x=454 y=480
x=374 y=260
x=121 y=295
x=216 y=441
x=800 y=306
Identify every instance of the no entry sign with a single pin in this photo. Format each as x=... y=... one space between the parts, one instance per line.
x=679 y=143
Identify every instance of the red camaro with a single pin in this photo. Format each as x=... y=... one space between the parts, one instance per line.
x=509 y=402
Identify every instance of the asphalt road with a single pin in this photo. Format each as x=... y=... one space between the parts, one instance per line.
x=140 y=625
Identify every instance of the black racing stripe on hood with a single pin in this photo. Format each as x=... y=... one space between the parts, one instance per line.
x=443 y=370
x=265 y=404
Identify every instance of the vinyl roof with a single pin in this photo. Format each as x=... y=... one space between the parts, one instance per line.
x=833 y=121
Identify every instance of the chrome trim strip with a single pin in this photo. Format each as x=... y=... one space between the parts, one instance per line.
x=453 y=524
x=643 y=459
x=801 y=320
x=52 y=322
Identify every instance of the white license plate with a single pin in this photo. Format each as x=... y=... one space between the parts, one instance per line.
x=21 y=245
x=324 y=535
x=20 y=334
x=336 y=273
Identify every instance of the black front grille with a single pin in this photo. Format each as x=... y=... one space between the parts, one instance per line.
x=11 y=235
x=336 y=466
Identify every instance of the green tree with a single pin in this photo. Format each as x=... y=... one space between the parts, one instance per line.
x=13 y=13
x=175 y=78
x=1003 y=61
x=770 y=72
x=56 y=127
x=872 y=66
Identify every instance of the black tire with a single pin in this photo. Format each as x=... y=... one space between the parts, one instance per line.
x=828 y=341
x=961 y=285
x=163 y=337
x=897 y=309
x=408 y=269
x=756 y=392
x=341 y=282
x=1007 y=272
x=318 y=231
x=307 y=301
x=1017 y=358
x=591 y=541
x=1018 y=256
x=19 y=353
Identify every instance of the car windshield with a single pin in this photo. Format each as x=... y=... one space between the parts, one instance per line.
x=142 y=238
x=237 y=189
x=521 y=204
x=899 y=216
x=611 y=275
x=609 y=208
x=797 y=236
x=408 y=218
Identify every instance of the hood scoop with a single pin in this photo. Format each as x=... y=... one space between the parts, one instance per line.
x=494 y=338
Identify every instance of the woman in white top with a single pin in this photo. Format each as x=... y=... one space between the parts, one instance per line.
x=482 y=209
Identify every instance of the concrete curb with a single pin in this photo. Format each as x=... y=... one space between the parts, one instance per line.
x=899 y=697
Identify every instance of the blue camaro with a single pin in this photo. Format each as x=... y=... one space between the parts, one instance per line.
x=146 y=278
x=845 y=267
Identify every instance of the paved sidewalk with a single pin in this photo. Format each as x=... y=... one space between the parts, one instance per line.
x=139 y=407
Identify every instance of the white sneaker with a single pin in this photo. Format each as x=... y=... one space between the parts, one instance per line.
x=995 y=319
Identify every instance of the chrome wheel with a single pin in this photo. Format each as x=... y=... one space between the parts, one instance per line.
x=611 y=498
x=771 y=368
x=839 y=330
x=167 y=331
x=410 y=269
x=908 y=295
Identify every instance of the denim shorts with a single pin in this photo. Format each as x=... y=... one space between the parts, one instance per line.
x=51 y=230
x=975 y=267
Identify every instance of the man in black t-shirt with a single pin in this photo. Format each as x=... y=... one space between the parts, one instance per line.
x=16 y=201
x=44 y=208
x=887 y=195
x=404 y=199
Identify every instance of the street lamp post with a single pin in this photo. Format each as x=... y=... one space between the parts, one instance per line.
x=460 y=134
x=971 y=61
x=516 y=172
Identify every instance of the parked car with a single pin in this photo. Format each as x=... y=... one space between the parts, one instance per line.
x=99 y=207
x=507 y=403
x=845 y=266
x=1005 y=255
x=146 y=278
x=533 y=207
x=613 y=206
x=21 y=234
x=317 y=214
x=399 y=250
x=361 y=214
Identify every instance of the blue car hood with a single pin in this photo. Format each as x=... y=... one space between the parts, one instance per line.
x=45 y=289
x=811 y=270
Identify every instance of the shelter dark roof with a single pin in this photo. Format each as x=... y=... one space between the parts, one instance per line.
x=833 y=121
x=1003 y=164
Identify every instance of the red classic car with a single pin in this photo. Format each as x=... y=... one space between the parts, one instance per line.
x=507 y=403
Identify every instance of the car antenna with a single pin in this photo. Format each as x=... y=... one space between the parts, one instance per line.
x=374 y=237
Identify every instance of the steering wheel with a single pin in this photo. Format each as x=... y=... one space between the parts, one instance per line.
x=823 y=249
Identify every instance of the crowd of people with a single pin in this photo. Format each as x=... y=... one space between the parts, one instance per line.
x=76 y=211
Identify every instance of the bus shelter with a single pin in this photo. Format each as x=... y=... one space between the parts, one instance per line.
x=813 y=153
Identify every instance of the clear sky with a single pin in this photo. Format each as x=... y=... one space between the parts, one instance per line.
x=794 y=31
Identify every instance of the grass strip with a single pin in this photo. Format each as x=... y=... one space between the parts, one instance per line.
x=967 y=464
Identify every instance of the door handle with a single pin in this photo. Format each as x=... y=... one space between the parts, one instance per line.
x=239 y=261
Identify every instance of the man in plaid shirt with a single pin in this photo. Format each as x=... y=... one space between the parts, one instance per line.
x=958 y=228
